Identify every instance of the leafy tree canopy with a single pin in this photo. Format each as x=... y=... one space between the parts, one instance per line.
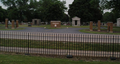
x=87 y=10
x=114 y=6
x=108 y=17
x=46 y=10
x=2 y=14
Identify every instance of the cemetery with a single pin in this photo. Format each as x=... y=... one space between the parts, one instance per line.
x=63 y=39
x=92 y=27
x=82 y=31
x=99 y=27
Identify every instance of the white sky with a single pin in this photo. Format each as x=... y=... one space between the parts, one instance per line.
x=68 y=2
x=2 y=5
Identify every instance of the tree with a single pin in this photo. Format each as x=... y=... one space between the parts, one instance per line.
x=51 y=9
x=12 y=13
x=2 y=14
x=65 y=18
x=87 y=10
x=108 y=17
x=46 y=10
x=17 y=8
x=113 y=5
x=55 y=12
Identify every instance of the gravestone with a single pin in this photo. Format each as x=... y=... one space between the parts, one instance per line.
x=13 y=24
x=76 y=21
x=118 y=22
x=6 y=23
x=105 y=24
x=36 y=21
x=99 y=24
x=110 y=27
x=55 y=24
x=46 y=23
x=91 y=25
x=17 y=24
x=29 y=24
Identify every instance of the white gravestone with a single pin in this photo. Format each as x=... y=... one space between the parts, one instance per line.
x=75 y=21
x=118 y=22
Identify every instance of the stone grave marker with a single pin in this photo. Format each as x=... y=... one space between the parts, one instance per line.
x=36 y=21
x=99 y=24
x=17 y=24
x=13 y=24
x=110 y=27
x=118 y=22
x=76 y=21
x=6 y=23
x=55 y=24
x=91 y=25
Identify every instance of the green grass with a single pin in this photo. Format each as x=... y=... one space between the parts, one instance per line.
x=2 y=27
x=13 y=29
x=60 y=45
x=116 y=31
x=22 y=59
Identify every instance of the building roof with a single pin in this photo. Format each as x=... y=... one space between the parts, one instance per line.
x=75 y=18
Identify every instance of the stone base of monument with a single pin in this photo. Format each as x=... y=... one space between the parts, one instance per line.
x=111 y=31
x=98 y=30
x=91 y=30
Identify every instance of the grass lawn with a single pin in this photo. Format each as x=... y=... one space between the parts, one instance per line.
x=60 y=45
x=2 y=27
x=116 y=31
x=22 y=59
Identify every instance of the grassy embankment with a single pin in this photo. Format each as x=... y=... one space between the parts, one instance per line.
x=116 y=31
x=22 y=59
x=60 y=45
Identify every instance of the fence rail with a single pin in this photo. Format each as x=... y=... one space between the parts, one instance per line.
x=94 y=45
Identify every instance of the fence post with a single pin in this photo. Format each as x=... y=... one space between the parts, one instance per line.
x=0 y=41
x=28 y=46
x=113 y=58
x=68 y=47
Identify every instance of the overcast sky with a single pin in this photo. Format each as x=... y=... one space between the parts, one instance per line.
x=68 y=2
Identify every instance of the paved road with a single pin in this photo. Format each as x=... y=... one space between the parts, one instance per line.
x=60 y=52
x=63 y=30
